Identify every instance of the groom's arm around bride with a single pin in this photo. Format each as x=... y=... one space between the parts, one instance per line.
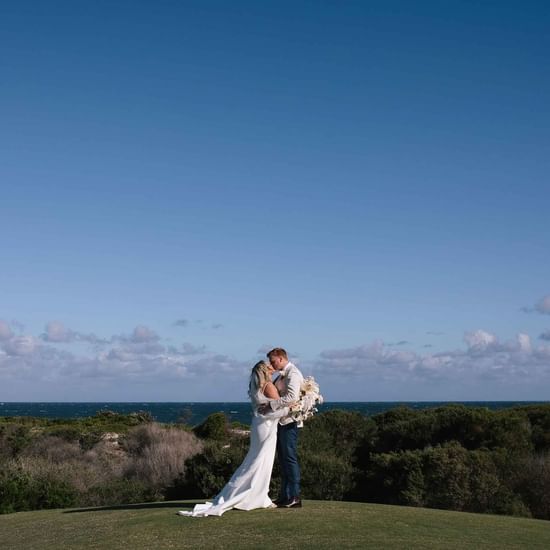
x=288 y=383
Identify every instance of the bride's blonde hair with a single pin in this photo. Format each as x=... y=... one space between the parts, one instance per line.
x=260 y=375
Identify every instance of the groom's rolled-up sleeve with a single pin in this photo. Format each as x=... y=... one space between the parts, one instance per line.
x=292 y=392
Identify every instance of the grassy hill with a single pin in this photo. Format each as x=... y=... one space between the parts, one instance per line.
x=318 y=524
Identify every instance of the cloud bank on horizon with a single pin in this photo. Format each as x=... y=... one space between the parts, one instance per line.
x=144 y=365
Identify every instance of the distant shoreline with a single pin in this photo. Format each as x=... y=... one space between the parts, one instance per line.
x=194 y=412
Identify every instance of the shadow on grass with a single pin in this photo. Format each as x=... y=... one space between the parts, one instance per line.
x=142 y=506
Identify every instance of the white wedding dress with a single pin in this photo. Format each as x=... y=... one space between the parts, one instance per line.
x=248 y=487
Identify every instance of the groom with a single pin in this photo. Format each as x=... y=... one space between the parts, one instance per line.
x=288 y=383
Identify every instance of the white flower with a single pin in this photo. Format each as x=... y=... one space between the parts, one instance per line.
x=309 y=398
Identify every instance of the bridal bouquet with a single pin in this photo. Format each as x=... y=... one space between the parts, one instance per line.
x=309 y=398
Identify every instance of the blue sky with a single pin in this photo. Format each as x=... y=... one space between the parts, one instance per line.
x=185 y=184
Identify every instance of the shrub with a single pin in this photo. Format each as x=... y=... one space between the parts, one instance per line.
x=533 y=484
x=406 y=429
x=13 y=439
x=539 y=418
x=215 y=426
x=325 y=476
x=206 y=473
x=486 y=488
x=395 y=478
x=67 y=433
x=510 y=430
x=158 y=454
x=337 y=432
x=20 y=491
x=52 y=448
x=119 y=491
x=446 y=477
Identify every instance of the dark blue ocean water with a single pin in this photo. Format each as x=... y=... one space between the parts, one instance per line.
x=194 y=413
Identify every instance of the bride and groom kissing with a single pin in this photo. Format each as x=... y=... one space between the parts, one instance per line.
x=273 y=428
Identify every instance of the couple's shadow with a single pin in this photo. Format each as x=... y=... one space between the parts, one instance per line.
x=142 y=506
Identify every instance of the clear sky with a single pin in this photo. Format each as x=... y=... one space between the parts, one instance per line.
x=186 y=184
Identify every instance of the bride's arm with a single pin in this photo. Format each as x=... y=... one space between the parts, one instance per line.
x=270 y=391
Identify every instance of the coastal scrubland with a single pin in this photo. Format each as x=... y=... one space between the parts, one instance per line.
x=452 y=457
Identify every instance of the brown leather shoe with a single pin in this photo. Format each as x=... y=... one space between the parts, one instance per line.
x=294 y=502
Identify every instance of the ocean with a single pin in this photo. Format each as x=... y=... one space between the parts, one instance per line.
x=194 y=413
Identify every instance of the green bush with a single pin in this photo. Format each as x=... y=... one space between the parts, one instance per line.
x=13 y=439
x=325 y=476
x=395 y=478
x=407 y=429
x=120 y=491
x=207 y=473
x=539 y=419
x=342 y=433
x=215 y=427
x=510 y=430
x=446 y=477
x=533 y=484
x=21 y=492
x=486 y=487
x=68 y=433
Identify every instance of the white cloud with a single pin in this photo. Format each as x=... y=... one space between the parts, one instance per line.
x=20 y=345
x=484 y=359
x=143 y=358
x=189 y=349
x=140 y=335
x=543 y=305
x=57 y=332
x=144 y=334
x=5 y=331
x=524 y=342
x=18 y=325
x=138 y=358
x=480 y=339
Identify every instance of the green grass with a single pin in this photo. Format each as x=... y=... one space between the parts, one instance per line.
x=318 y=524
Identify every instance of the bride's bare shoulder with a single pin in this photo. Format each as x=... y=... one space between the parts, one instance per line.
x=270 y=391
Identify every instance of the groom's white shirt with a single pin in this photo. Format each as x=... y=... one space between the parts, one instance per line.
x=289 y=384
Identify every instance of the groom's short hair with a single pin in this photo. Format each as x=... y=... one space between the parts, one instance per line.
x=277 y=352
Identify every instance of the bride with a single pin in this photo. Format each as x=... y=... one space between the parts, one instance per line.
x=248 y=487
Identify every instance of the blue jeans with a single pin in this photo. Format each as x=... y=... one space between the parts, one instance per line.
x=287 y=451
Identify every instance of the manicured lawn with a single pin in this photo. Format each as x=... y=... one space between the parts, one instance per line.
x=317 y=525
